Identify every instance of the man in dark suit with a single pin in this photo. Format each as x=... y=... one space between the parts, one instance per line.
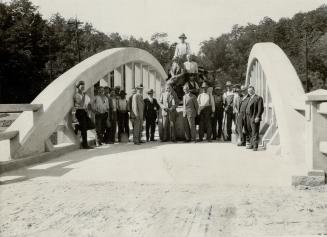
x=241 y=117
x=254 y=110
x=190 y=108
x=168 y=105
x=151 y=108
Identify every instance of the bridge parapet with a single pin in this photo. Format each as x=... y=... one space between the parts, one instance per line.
x=316 y=130
x=124 y=67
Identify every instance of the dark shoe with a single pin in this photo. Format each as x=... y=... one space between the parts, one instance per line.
x=87 y=147
x=255 y=148
x=187 y=141
x=174 y=141
x=200 y=140
x=153 y=140
x=240 y=144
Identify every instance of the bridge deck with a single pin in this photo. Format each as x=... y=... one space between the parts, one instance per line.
x=206 y=189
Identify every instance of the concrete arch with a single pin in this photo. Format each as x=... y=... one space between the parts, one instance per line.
x=57 y=101
x=285 y=89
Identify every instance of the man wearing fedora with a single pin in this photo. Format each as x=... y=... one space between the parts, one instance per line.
x=218 y=116
x=228 y=97
x=168 y=105
x=122 y=115
x=138 y=112
x=151 y=108
x=205 y=112
x=82 y=105
x=182 y=48
x=254 y=111
x=241 y=117
x=190 y=109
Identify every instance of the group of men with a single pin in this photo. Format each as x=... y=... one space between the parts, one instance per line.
x=210 y=108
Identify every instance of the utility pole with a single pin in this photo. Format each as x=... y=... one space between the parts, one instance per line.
x=306 y=62
x=76 y=23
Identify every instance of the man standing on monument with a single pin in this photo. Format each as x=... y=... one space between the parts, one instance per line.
x=182 y=48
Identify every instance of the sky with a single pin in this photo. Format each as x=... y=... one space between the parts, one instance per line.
x=198 y=19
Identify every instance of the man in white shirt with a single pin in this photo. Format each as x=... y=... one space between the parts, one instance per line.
x=82 y=105
x=122 y=115
x=100 y=108
x=205 y=112
x=182 y=48
x=190 y=66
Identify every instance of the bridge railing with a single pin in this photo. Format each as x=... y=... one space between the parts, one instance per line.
x=33 y=129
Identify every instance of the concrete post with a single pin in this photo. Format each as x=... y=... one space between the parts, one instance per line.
x=118 y=75
x=145 y=75
x=138 y=74
x=129 y=78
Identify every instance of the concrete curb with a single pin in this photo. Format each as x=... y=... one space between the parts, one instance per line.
x=23 y=162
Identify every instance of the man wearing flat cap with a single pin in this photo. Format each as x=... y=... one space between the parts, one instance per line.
x=82 y=105
x=138 y=113
x=151 y=108
x=122 y=115
x=182 y=48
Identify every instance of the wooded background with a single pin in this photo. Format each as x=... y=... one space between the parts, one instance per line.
x=34 y=51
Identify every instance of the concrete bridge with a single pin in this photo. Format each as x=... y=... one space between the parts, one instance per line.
x=294 y=123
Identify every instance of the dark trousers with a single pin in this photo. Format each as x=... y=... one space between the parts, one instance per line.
x=217 y=119
x=253 y=131
x=229 y=123
x=82 y=117
x=205 y=123
x=123 y=123
x=168 y=124
x=189 y=127
x=150 y=128
x=100 y=126
x=113 y=128
x=241 y=128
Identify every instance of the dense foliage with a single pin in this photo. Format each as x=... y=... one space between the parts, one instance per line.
x=229 y=52
x=34 y=51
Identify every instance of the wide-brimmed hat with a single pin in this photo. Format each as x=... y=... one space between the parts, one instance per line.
x=228 y=83
x=217 y=87
x=122 y=93
x=182 y=36
x=139 y=87
x=244 y=88
x=150 y=91
x=80 y=83
x=204 y=85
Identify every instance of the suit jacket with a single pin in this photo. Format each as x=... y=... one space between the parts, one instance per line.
x=190 y=105
x=243 y=105
x=151 y=109
x=138 y=106
x=167 y=100
x=255 y=108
